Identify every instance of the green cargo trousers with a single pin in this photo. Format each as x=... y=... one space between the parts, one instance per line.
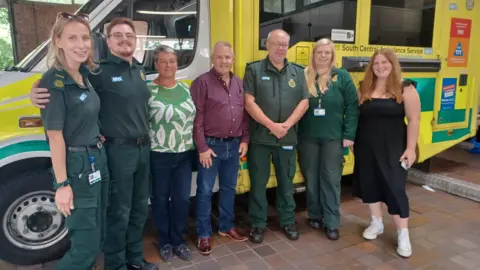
x=128 y=209
x=321 y=164
x=284 y=162
x=87 y=222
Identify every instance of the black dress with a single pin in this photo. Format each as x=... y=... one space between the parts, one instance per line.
x=380 y=142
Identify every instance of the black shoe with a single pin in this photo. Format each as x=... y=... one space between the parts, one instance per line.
x=183 y=252
x=291 y=232
x=332 y=234
x=315 y=223
x=256 y=235
x=166 y=253
x=144 y=266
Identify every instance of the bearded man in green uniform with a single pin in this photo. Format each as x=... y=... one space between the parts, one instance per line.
x=121 y=86
x=276 y=98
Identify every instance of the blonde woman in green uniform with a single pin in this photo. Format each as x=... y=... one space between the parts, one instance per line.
x=325 y=130
x=71 y=125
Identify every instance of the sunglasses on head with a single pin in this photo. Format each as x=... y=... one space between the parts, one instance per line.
x=78 y=16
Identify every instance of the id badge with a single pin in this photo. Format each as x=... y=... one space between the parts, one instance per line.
x=319 y=112
x=94 y=177
x=287 y=147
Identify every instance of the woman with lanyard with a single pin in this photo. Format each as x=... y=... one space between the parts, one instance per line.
x=70 y=121
x=325 y=130
x=172 y=113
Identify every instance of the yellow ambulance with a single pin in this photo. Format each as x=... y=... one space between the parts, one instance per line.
x=434 y=39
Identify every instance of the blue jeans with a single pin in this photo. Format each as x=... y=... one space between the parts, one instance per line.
x=172 y=179
x=226 y=165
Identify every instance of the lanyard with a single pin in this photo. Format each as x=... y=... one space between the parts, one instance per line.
x=319 y=94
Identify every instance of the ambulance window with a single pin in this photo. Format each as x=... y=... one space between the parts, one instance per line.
x=166 y=22
x=307 y=20
x=275 y=6
x=402 y=23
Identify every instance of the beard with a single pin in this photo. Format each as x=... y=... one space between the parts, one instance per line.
x=128 y=52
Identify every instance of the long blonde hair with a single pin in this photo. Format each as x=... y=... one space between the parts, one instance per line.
x=56 y=56
x=394 y=80
x=311 y=69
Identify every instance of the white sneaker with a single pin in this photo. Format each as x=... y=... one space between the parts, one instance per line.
x=404 y=248
x=374 y=230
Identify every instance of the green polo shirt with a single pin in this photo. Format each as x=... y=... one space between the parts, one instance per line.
x=124 y=95
x=73 y=108
x=341 y=110
x=277 y=93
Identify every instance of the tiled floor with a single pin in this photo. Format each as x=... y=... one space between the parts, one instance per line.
x=445 y=234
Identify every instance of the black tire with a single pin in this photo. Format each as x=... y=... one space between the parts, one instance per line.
x=10 y=191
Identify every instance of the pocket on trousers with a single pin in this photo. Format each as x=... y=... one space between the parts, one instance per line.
x=292 y=166
x=112 y=187
x=84 y=214
x=112 y=191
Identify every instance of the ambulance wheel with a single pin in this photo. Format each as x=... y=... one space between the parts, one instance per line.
x=32 y=231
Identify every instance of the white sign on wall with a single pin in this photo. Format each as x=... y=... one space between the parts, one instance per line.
x=343 y=35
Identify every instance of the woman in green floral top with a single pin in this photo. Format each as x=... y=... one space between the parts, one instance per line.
x=172 y=112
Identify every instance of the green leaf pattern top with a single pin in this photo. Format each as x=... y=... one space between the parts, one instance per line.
x=172 y=113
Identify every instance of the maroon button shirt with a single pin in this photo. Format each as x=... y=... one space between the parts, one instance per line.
x=220 y=109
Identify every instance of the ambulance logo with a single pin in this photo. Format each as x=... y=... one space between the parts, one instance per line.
x=58 y=83
x=458 y=50
x=291 y=83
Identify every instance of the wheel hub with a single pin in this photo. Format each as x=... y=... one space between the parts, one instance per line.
x=40 y=221
x=32 y=221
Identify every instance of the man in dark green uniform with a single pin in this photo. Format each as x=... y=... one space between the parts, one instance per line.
x=276 y=98
x=124 y=123
x=71 y=122
x=123 y=118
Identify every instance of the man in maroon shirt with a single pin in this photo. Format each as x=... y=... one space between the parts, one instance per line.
x=221 y=135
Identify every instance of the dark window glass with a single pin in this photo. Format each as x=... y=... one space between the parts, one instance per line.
x=402 y=22
x=306 y=20
x=161 y=22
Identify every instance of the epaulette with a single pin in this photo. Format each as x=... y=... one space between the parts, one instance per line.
x=297 y=65
x=253 y=62
x=99 y=61
x=57 y=79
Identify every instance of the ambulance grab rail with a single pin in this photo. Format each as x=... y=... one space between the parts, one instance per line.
x=358 y=64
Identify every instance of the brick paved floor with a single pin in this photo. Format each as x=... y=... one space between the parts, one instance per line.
x=445 y=234
x=458 y=163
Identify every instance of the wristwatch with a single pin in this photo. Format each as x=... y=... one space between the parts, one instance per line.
x=57 y=185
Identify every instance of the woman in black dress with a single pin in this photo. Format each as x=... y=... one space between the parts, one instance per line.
x=385 y=145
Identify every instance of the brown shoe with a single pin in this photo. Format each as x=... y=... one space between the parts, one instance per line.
x=234 y=235
x=204 y=246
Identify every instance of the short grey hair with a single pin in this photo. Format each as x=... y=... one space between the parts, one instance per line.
x=222 y=44
x=163 y=48
x=269 y=36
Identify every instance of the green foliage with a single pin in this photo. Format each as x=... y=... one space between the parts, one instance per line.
x=4 y=17
x=6 y=54
x=6 y=50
